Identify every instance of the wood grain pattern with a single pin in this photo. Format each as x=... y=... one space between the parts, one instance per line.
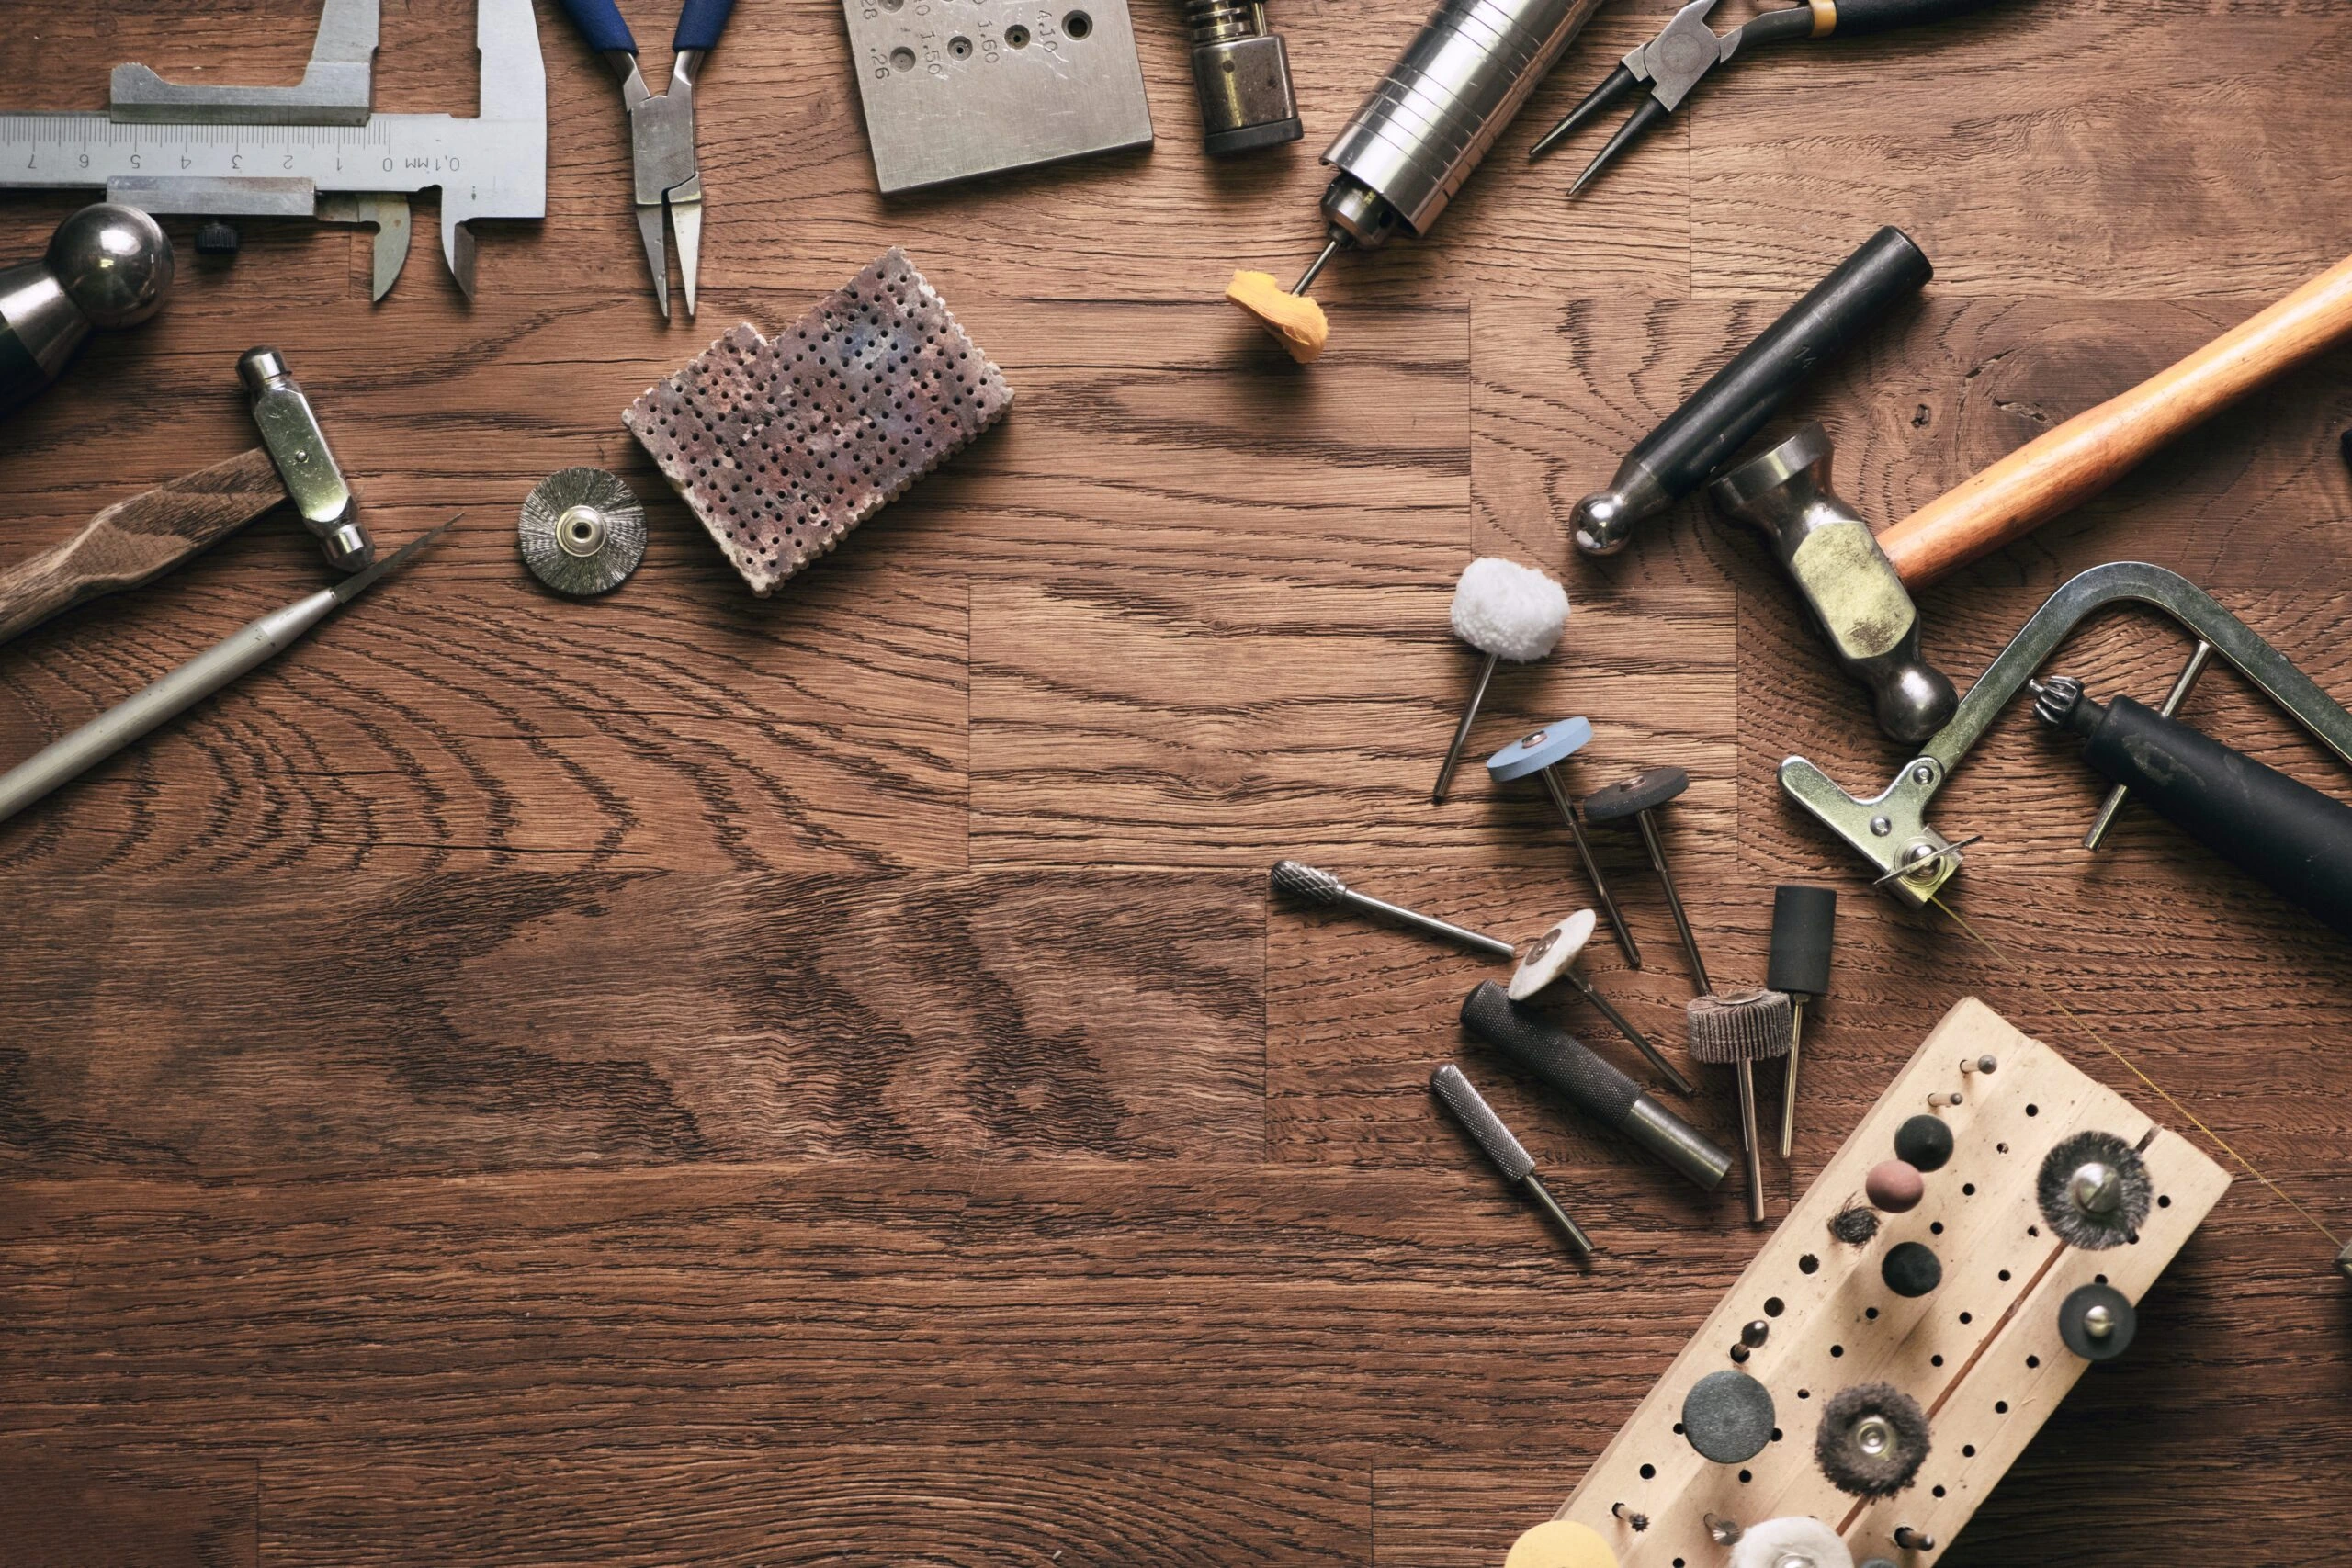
x=138 y=540
x=2065 y=466
x=679 y=1079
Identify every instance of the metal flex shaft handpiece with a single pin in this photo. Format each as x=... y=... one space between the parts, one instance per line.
x=1433 y=115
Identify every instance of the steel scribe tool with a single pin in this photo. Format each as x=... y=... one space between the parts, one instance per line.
x=661 y=129
x=245 y=649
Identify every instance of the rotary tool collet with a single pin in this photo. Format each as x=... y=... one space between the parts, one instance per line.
x=1435 y=114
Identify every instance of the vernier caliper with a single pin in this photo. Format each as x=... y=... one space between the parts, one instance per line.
x=314 y=149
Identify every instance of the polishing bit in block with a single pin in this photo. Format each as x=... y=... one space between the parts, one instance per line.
x=1294 y=318
x=1560 y=1543
x=1872 y=1439
x=781 y=446
x=1797 y=1542
x=1895 y=1186
x=1742 y=1026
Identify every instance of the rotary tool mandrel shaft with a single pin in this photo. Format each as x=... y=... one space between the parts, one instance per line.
x=1598 y=1089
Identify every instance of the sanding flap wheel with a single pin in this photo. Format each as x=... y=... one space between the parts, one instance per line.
x=582 y=532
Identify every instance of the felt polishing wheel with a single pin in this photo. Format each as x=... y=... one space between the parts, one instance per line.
x=1728 y=1416
x=1539 y=749
x=1549 y=955
x=1650 y=790
x=1294 y=318
x=582 y=532
x=1560 y=1543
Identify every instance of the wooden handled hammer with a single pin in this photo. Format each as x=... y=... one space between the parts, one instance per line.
x=1858 y=587
x=140 y=539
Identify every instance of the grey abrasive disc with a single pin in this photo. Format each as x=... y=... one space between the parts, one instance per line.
x=1728 y=1416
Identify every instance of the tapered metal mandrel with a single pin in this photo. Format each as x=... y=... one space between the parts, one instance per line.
x=1505 y=611
x=1507 y=1153
x=1740 y=1029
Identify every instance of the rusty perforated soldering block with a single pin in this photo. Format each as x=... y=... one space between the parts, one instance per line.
x=783 y=446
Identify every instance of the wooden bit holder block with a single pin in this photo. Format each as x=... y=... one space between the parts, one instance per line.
x=1981 y=1353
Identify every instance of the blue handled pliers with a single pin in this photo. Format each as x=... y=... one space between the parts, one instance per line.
x=661 y=128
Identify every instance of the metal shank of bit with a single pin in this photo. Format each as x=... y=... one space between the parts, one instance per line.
x=1312 y=886
x=1508 y=1154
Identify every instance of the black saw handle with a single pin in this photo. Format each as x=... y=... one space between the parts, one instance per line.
x=2285 y=833
x=1716 y=419
x=1599 y=1089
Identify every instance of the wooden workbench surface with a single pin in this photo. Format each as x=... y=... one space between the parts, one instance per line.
x=685 y=1079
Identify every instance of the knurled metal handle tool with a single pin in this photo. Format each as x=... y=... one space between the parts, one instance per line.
x=1598 y=1089
x=314 y=149
x=1674 y=62
x=1890 y=829
x=1505 y=1153
x=1435 y=113
x=256 y=644
x=1310 y=885
x=138 y=540
x=1714 y=422
x=661 y=129
x=1541 y=752
x=2277 y=829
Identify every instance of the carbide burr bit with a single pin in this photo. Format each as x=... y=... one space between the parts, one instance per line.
x=1310 y=885
x=1494 y=1140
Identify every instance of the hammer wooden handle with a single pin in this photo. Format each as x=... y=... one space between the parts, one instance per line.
x=138 y=540
x=2067 y=465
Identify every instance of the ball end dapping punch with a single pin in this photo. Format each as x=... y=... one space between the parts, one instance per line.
x=1539 y=753
x=1598 y=1089
x=1742 y=1028
x=1505 y=611
x=1508 y=1154
x=1716 y=421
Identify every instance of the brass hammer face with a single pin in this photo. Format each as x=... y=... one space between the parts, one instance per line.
x=1852 y=586
x=289 y=430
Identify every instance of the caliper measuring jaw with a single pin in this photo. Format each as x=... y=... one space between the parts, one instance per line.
x=1890 y=829
x=314 y=149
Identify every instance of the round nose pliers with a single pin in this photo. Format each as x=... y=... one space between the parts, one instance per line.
x=1687 y=49
x=661 y=128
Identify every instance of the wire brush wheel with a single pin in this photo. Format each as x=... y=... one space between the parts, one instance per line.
x=1797 y=1542
x=1512 y=611
x=1873 y=1439
x=2095 y=1190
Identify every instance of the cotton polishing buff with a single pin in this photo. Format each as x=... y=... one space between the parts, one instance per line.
x=783 y=446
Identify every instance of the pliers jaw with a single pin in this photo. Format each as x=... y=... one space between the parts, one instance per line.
x=666 y=177
x=1669 y=64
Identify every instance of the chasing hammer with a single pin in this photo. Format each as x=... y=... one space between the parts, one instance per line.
x=1693 y=441
x=140 y=539
x=1598 y=1089
x=1859 y=588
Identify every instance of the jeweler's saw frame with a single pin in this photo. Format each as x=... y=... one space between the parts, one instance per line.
x=314 y=149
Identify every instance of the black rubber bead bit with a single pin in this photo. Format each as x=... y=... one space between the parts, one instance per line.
x=1635 y=795
x=1728 y=1418
x=1924 y=1142
x=1911 y=1270
x=1804 y=920
x=2089 y=1334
